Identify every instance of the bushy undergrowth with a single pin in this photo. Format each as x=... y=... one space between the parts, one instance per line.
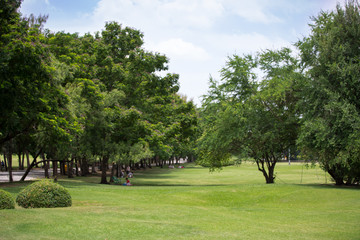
x=44 y=194
x=6 y=200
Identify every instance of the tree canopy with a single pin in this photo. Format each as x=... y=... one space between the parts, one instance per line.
x=253 y=115
x=331 y=106
x=90 y=97
x=81 y=99
x=275 y=101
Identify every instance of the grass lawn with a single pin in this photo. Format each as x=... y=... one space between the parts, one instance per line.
x=192 y=203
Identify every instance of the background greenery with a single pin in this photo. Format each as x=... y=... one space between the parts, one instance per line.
x=192 y=203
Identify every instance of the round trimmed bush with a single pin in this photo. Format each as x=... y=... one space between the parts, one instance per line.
x=6 y=200
x=44 y=194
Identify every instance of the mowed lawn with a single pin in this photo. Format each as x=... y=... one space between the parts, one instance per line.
x=192 y=203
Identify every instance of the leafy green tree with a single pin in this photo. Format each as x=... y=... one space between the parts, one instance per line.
x=28 y=92
x=331 y=123
x=87 y=97
x=249 y=116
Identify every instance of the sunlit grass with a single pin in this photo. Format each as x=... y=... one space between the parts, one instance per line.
x=192 y=203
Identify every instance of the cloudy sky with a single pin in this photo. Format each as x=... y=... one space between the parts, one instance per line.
x=196 y=35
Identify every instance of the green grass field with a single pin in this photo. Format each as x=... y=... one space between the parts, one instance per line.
x=192 y=203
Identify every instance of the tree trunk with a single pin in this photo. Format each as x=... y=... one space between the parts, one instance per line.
x=76 y=167
x=46 y=168
x=5 y=162
x=112 y=172
x=271 y=172
x=339 y=180
x=93 y=167
x=9 y=160
x=55 y=170
x=64 y=163
x=137 y=166
x=103 y=170
x=27 y=158
x=45 y=164
x=21 y=160
x=269 y=176
x=30 y=166
x=70 y=168
x=117 y=170
x=2 y=164
x=84 y=167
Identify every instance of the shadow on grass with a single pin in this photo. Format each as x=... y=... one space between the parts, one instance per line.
x=331 y=186
x=154 y=177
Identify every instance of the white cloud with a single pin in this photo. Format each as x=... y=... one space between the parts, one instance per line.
x=252 y=10
x=183 y=31
x=178 y=48
x=31 y=6
x=176 y=14
x=197 y=35
x=256 y=41
x=246 y=43
x=191 y=13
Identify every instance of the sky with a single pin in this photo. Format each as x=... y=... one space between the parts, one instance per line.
x=197 y=36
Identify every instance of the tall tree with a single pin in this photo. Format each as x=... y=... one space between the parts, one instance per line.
x=87 y=96
x=244 y=114
x=28 y=92
x=331 y=122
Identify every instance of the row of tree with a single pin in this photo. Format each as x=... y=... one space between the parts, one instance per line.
x=273 y=102
x=80 y=99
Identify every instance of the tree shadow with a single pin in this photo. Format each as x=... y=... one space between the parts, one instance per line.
x=331 y=186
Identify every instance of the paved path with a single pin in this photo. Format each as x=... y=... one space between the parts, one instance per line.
x=33 y=174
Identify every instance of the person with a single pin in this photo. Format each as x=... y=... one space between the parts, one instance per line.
x=130 y=175
x=127 y=183
x=2 y=165
x=128 y=169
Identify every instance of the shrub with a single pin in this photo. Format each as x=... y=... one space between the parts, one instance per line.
x=44 y=194
x=6 y=200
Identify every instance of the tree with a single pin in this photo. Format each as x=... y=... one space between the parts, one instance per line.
x=245 y=116
x=29 y=95
x=28 y=92
x=9 y=15
x=86 y=97
x=331 y=97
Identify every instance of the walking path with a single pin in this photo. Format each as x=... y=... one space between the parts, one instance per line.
x=33 y=174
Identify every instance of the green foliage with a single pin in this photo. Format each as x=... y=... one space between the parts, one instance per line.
x=8 y=14
x=249 y=116
x=331 y=123
x=88 y=97
x=6 y=200
x=44 y=194
x=29 y=96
